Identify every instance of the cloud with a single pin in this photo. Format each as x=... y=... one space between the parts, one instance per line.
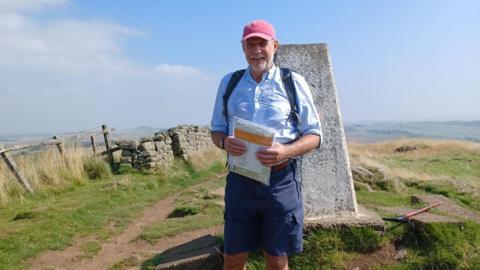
x=73 y=74
x=176 y=70
x=65 y=45
x=29 y=5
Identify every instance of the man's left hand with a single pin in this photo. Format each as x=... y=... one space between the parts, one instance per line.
x=275 y=154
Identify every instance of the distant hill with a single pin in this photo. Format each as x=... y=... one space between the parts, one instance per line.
x=382 y=131
x=362 y=132
x=130 y=133
x=135 y=133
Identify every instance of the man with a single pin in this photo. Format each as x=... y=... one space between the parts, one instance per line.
x=257 y=215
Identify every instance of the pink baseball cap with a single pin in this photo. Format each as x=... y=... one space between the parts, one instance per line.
x=258 y=28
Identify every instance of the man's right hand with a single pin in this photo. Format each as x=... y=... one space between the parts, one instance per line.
x=234 y=147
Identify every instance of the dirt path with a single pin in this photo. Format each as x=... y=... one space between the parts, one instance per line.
x=124 y=245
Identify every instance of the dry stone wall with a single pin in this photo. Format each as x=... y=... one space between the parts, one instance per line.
x=189 y=139
x=163 y=147
x=129 y=151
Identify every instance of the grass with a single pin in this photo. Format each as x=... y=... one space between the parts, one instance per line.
x=47 y=171
x=85 y=210
x=96 y=168
x=91 y=248
x=328 y=249
x=382 y=198
x=447 y=165
x=448 y=168
x=433 y=246
x=68 y=205
x=433 y=160
x=194 y=209
x=439 y=246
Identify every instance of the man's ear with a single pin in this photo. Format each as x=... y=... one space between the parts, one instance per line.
x=275 y=45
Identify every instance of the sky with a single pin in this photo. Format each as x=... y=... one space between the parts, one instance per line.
x=69 y=65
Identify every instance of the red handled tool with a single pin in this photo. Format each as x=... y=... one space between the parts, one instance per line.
x=407 y=216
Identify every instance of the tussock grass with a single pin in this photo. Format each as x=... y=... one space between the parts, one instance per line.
x=46 y=171
x=96 y=168
x=205 y=159
x=454 y=162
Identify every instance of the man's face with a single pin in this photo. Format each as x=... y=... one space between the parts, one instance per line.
x=259 y=53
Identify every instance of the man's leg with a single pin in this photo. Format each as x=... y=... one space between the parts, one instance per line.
x=276 y=262
x=235 y=262
x=282 y=230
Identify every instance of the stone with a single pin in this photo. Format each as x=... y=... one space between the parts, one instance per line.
x=126 y=160
x=363 y=218
x=325 y=172
x=361 y=186
x=126 y=153
x=145 y=139
x=201 y=253
x=401 y=253
x=148 y=153
x=405 y=148
x=152 y=159
x=160 y=137
x=149 y=165
x=146 y=146
x=360 y=172
x=130 y=145
x=161 y=144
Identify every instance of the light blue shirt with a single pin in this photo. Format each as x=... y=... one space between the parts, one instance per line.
x=266 y=103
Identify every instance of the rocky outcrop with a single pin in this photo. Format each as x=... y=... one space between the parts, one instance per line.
x=405 y=148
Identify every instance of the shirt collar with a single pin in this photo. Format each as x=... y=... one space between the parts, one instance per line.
x=267 y=75
x=271 y=72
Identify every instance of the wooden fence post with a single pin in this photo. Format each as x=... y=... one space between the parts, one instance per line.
x=92 y=139
x=13 y=167
x=60 y=150
x=106 y=137
x=59 y=146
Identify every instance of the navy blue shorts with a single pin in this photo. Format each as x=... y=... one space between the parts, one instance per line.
x=267 y=217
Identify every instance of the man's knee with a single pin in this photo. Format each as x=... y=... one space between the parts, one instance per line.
x=276 y=262
x=235 y=262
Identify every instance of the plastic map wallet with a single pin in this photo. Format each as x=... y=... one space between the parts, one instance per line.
x=255 y=137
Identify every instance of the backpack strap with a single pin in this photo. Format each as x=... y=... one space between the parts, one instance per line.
x=287 y=79
x=236 y=76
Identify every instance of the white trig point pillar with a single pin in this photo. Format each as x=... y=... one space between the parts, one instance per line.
x=328 y=190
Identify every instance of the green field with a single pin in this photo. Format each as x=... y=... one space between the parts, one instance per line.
x=100 y=209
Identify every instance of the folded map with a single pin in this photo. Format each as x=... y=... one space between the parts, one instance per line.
x=255 y=137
